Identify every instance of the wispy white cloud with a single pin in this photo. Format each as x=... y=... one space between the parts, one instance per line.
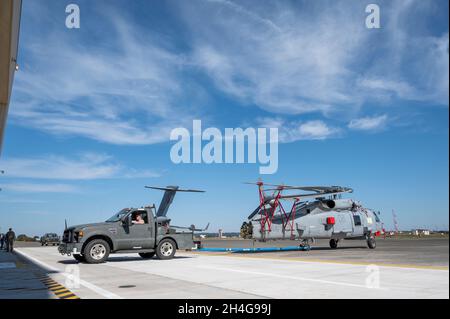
x=308 y=58
x=292 y=131
x=124 y=91
x=285 y=58
x=369 y=123
x=38 y=188
x=86 y=167
x=20 y=200
x=315 y=130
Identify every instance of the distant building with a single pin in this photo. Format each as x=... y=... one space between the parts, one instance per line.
x=420 y=232
x=221 y=235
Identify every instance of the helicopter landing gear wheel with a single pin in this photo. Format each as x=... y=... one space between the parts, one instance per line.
x=371 y=243
x=334 y=243
x=305 y=244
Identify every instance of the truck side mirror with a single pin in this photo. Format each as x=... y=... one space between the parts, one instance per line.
x=126 y=220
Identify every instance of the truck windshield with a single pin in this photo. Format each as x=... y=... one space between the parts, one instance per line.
x=118 y=216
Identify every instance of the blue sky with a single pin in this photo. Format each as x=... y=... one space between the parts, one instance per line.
x=92 y=108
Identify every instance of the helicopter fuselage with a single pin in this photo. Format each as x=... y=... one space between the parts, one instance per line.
x=320 y=219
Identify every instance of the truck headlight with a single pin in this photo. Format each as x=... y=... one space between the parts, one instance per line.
x=79 y=235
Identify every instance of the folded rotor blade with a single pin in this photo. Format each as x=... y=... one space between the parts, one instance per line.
x=175 y=188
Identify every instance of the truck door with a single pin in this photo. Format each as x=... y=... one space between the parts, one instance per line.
x=142 y=234
x=138 y=236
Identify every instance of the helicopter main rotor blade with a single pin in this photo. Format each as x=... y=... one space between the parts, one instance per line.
x=256 y=211
x=302 y=196
x=318 y=189
x=175 y=189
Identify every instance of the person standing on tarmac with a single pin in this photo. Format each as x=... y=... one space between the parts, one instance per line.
x=2 y=240
x=10 y=237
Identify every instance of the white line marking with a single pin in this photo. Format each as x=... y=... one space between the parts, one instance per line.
x=324 y=262
x=98 y=290
x=7 y=265
x=291 y=277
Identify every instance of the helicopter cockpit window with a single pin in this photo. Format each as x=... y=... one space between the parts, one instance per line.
x=376 y=217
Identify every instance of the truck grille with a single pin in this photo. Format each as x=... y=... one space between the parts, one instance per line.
x=67 y=236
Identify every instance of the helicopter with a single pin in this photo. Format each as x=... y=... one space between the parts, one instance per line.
x=317 y=212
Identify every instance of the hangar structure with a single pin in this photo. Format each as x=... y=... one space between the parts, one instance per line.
x=10 y=12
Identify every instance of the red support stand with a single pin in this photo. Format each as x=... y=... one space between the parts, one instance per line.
x=275 y=209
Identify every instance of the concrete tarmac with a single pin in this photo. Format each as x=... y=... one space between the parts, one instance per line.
x=390 y=251
x=319 y=273
x=19 y=279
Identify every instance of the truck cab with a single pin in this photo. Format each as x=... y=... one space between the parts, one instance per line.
x=136 y=230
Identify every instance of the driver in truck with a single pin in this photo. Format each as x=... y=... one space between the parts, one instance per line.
x=138 y=219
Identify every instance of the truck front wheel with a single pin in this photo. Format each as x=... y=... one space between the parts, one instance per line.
x=96 y=251
x=166 y=249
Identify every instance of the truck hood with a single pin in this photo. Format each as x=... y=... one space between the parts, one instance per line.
x=96 y=225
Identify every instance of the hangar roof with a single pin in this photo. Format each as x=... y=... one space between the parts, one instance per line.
x=10 y=11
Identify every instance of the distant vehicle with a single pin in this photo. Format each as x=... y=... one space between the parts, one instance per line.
x=320 y=213
x=50 y=239
x=137 y=230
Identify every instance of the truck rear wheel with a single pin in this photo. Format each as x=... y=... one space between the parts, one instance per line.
x=96 y=251
x=147 y=255
x=166 y=249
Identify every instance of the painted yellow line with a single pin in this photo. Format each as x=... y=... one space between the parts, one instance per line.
x=330 y=261
x=64 y=294
x=71 y=297
x=59 y=290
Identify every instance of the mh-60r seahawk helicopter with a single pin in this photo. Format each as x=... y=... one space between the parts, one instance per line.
x=317 y=212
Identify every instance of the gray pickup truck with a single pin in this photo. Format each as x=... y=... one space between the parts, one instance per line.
x=130 y=230
x=49 y=239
